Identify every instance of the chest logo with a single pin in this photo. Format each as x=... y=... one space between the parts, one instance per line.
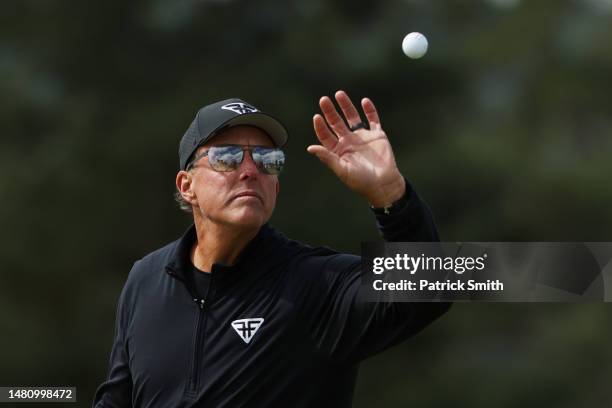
x=246 y=328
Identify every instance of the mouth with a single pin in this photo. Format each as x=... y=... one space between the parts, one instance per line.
x=248 y=194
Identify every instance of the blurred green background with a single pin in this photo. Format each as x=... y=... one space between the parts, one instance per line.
x=503 y=128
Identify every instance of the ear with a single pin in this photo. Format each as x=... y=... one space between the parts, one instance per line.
x=183 y=185
x=277 y=186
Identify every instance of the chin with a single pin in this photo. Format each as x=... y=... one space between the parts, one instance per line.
x=250 y=219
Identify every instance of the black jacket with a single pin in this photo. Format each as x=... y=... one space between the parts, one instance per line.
x=308 y=328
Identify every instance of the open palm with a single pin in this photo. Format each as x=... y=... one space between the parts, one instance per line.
x=362 y=158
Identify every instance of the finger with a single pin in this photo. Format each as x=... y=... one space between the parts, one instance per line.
x=370 y=111
x=325 y=136
x=328 y=158
x=333 y=117
x=348 y=109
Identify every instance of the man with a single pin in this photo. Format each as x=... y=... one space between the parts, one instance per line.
x=234 y=313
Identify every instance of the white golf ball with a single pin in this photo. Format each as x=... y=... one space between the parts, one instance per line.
x=415 y=45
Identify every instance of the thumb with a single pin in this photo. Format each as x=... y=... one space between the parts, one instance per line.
x=328 y=158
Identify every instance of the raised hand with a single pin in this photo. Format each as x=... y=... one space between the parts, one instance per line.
x=362 y=158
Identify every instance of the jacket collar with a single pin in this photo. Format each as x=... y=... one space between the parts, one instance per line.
x=180 y=265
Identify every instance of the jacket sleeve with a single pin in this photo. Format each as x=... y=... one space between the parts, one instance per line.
x=116 y=390
x=349 y=328
x=412 y=221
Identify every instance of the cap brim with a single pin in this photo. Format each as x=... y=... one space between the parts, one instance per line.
x=274 y=128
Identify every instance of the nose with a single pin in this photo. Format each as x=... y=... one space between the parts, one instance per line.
x=248 y=168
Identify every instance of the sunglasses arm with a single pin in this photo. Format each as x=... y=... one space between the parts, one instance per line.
x=195 y=159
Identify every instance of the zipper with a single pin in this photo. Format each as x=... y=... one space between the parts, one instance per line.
x=198 y=340
x=193 y=384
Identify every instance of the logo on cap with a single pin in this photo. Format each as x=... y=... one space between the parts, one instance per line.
x=239 y=107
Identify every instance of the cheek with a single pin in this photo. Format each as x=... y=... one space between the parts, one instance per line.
x=212 y=190
x=271 y=191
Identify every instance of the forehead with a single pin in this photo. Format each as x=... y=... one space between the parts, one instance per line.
x=243 y=135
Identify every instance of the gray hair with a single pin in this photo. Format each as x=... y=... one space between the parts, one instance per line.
x=183 y=205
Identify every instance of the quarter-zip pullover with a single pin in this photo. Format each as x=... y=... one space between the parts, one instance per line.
x=283 y=327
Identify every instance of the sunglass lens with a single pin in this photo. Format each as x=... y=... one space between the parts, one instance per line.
x=225 y=158
x=269 y=160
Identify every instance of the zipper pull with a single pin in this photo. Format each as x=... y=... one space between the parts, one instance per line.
x=200 y=302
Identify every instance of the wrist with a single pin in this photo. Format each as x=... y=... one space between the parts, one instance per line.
x=388 y=194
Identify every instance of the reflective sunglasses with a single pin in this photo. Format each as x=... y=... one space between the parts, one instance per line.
x=269 y=160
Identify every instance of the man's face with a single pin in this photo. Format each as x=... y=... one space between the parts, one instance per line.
x=243 y=197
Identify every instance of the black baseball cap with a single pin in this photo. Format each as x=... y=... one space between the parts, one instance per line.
x=213 y=118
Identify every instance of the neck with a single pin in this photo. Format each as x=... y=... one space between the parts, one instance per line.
x=219 y=244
